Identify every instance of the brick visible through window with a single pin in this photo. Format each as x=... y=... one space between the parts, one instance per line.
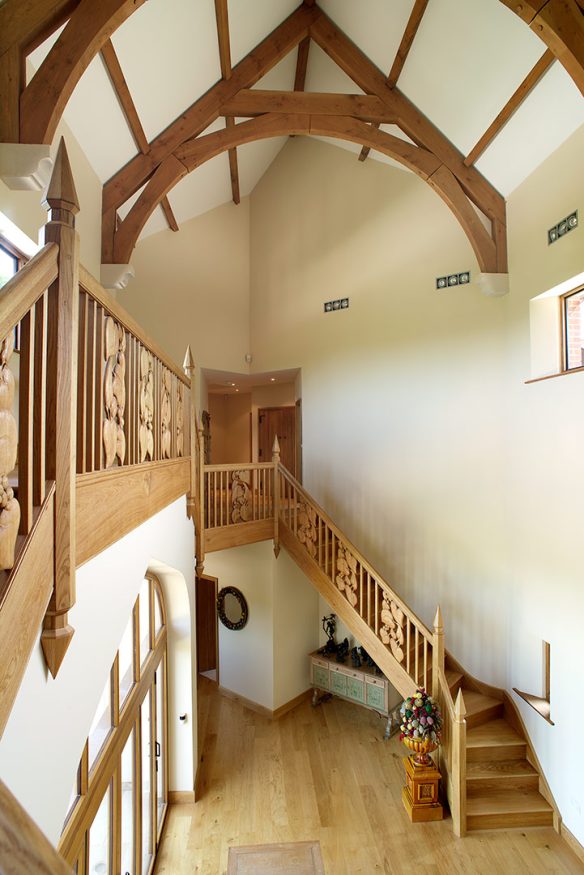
x=574 y=329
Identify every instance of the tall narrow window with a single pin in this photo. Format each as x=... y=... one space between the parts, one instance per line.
x=573 y=318
x=541 y=704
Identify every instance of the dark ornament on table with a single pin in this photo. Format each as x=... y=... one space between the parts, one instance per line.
x=355 y=658
x=368 y=661
x=343 y=650
x=329 y=625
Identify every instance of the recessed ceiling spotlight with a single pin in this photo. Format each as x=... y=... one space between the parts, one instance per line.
x=272 y=379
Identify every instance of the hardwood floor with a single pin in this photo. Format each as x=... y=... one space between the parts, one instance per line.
x=326 y=774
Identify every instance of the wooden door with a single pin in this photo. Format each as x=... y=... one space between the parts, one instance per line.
x=206 y=603
x=279 y=421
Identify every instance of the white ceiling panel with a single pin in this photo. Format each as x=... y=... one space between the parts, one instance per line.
x=465 y=63
x=322 y=74
x=376 y=26
x=281 y=77
x=168 y=53
x=250 y=23
x=253 y=160
x=353 y=147
x=37 y=57
x=205 y=188
x=552 y=112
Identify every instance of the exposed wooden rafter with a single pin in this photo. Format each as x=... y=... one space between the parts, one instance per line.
x=251 y=102
x=301 y=65
x=222 y=16
x=198 y=150
x=206 y=110
x=511 y=106
x=560 y=24
x=404 y=47
x=128 y=108
x=43 y=100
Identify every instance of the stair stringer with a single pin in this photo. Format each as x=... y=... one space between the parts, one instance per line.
x=514 y=718
x=396 y=675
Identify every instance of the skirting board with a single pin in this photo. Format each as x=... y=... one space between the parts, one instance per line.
x=572 y=841
x=261 y=709
x=180 y=797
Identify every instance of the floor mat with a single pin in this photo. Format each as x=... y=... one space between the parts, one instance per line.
x=295 y=858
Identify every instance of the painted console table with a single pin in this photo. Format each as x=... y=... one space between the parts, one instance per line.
x=362 y=686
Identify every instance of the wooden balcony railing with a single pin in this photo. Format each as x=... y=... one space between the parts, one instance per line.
x=97 y=433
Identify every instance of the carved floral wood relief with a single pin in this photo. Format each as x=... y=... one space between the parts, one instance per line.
x=306 y=527
x=346 y=578
x=165 y=412
x=9 y=506
x=392 y=630
x=180 y=418
x=146 y=405
x=241 y=510
x=114 y=389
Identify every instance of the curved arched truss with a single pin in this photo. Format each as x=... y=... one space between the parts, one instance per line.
x=32 y=112
x=197 y=151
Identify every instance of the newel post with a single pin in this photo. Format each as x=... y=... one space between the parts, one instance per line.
x=194 y=498
x=459 y=767
x=61 y=404
x=200 y=504
x=437 y=653
x=276 y=493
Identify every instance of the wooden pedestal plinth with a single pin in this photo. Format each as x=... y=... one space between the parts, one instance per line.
x=420 y=795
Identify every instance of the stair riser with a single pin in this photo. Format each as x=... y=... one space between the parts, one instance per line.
x=490 y=753
x=508 y=820
x=480 y=786
x=491 y=713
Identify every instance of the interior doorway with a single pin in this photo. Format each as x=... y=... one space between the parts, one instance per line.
x=279 y=421
x=207 y=633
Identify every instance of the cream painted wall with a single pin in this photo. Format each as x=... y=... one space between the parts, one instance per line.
x=266 y=661
x=25 y=210
x=230 y=427
x=193 y=287
x=50 y=719
x=420 y=437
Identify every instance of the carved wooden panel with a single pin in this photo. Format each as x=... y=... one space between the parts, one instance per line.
x=9 y=506
x=165 y=412
x=392 y=630
x=306 y=527
x=346 y=578
x=146 y=405
x=180 y=418
x=241 y=509
x=114 y=390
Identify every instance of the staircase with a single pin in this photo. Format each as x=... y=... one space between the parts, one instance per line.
x=490 y=774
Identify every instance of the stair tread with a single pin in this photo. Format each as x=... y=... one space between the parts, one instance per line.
x=477 y=702
x=495 y=733
x=453 y=677
x=507 y=802
x=500 y=769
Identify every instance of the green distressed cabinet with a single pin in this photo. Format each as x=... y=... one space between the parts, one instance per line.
x=359 y=685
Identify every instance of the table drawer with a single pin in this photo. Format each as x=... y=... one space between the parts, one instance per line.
x=316 y=660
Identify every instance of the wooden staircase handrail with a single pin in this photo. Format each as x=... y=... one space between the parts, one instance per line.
x=23 y=290
x=356 y=553
x=239 y=466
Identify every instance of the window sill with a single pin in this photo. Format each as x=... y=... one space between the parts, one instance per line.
x=539 y=704
x=553 y=376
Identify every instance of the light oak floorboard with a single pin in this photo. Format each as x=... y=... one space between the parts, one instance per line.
x=325 y=774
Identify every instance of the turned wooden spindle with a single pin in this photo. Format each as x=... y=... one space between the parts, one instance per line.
x=61 y=405
x=276 y=493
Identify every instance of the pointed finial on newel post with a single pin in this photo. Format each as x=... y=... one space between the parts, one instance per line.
x=60 y=198
x=437 y=652
x=189 y=362
x=276 y=493
x=276 y=451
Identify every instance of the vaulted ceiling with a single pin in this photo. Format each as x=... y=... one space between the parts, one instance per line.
x=467 y=88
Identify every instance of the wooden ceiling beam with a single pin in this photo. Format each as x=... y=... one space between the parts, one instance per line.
x=222 y=18
x=43 y=100
x=560 y=24
x=201 y=149
x=205 y=110
x=411 y=121
x=301 y=65
x=511 y=106
x=123 y=95
x=402 y=53
x=168 y=213
x=251 y=102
